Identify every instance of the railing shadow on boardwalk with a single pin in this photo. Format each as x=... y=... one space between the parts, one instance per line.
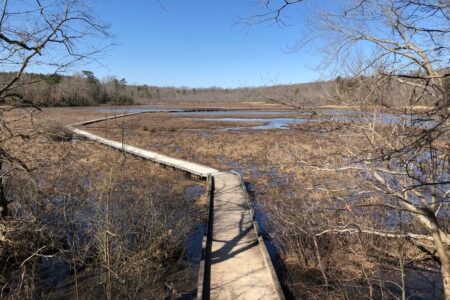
x=226 y=251
x=245 y=227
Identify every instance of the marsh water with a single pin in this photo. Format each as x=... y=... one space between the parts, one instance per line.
x=339 y=116
x=419 y=281
x=54 y=274
x=281 y=119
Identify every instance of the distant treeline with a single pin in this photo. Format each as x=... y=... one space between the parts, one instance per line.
x=84 y=89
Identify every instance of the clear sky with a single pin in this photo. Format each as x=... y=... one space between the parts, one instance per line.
x=198 y=44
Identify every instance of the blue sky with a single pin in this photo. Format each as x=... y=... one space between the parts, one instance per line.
x=198 y=44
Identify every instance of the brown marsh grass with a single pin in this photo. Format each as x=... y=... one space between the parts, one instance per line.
x=291 y=176
x=91 y=222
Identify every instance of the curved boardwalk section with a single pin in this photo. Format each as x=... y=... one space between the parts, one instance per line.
x=236 y=263
x=180 y=164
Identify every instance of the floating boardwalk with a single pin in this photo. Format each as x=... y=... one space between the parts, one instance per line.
x=235 y=262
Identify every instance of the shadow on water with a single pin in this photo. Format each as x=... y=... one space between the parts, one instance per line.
x=51 y=274
x=193 y=242
x=420 y=285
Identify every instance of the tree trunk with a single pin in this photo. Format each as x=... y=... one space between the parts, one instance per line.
x=443 y=256
x=446 y=282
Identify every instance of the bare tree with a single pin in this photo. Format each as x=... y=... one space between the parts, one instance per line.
x=392 y=49
x=48 y=36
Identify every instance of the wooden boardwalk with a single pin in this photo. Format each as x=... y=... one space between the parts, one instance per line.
x=236 y=263
x=240 y=265
x=180 y=164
